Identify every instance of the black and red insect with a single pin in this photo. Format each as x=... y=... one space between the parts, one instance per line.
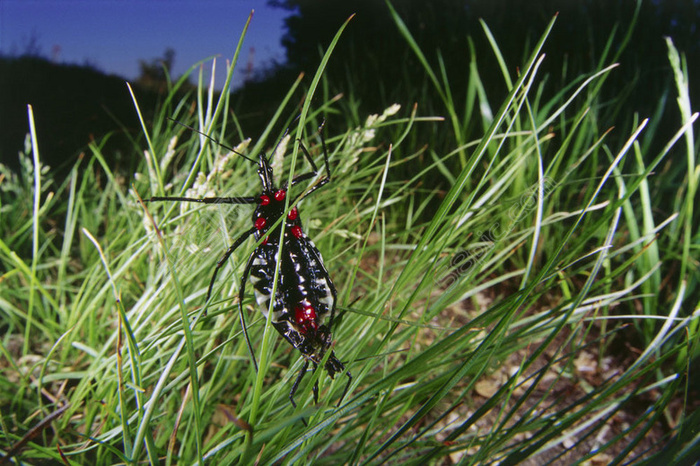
x=305 y=295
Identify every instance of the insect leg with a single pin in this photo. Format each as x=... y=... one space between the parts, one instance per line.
x=225 y=257
x=206 y=200
x=241 y=293
x=314 y=169
x=325 y=150
x=302 y=372
x=323 y=181
x=305 y=176
x=347 y=386
x=335 y=366
x=315 y=389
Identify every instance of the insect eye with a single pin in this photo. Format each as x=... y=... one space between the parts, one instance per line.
x=280 y=195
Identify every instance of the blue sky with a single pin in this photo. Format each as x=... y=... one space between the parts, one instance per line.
x=113 y=35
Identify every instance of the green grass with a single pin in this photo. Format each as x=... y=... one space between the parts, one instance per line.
x=489 y=322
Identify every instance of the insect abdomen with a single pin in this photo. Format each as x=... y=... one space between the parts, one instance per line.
x=303 y=281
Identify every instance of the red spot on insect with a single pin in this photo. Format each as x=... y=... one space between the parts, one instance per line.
x=296 y=231
x=305 y=318
x=264 y=200
x=279 y=195
x=293 y=214
x=264 y=240
x=260 y=223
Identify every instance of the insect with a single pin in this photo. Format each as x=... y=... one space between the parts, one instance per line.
x=305 y=295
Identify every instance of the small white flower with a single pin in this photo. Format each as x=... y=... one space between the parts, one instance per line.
x=280 y=150
x=371 y=120
x=169 y=153
x=151 y=172
x=368 y=135
x=391 y=111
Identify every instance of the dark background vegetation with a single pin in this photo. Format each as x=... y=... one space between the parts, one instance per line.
x=75 y=105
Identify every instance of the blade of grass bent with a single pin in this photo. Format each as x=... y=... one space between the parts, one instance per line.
x=35 y=230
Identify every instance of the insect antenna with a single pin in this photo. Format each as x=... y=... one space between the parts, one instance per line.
x=212 y=139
